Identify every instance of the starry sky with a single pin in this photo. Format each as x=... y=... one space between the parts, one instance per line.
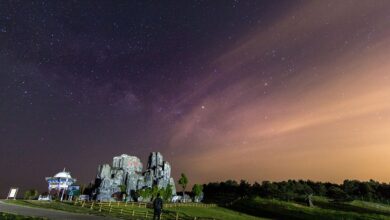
x=255 y=90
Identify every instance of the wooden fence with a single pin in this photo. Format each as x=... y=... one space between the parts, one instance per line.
x=139 y=210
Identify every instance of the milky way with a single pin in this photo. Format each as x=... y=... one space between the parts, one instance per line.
x=225 y=90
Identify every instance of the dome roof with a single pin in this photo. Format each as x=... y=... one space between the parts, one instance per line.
x=63 y=174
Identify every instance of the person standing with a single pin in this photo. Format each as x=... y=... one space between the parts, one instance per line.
x=157 y=206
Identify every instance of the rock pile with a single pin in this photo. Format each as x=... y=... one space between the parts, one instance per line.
x=127 y=173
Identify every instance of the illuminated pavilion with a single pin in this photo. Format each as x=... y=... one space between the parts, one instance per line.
x=60 y=182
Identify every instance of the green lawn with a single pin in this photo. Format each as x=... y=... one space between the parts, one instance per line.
x=69 y=207
x=241 y=210
x=214 y=212
x=323 y=209
x=184 y=212
x=376 y=207
x=9 y=216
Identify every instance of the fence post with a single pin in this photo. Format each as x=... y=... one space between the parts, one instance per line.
x=118 y=203
x=126 y=203
x=177 y=216
x=195 y=218
x=146 y=215
x=121 y=211
x=132 y=213
x=83 y=204
x=110 y=209
x=92 y=205
x=100 y=209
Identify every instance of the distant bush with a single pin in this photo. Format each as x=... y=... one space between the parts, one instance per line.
x=31 y=194
x=148 y=194
x=337 y=194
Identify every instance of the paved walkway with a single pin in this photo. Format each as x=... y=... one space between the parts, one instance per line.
x=48 y=213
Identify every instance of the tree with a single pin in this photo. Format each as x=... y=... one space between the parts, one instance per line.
x=367 y=190
x=256 y=189
x=309 y=200
x=166 y=193
x=197 y=191
x=183 y=181
x=244 y=188
x=287 y=190
x=144 y=193
x=298 y=190
x=123 y=191
x=319 y=189
x=155 y=191
x=337 y=194
x=269 y=189
x=31 y=194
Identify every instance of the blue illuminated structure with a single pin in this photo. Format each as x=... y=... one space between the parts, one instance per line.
x=60 y=182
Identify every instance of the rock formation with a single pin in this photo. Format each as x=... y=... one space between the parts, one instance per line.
x=127 y=172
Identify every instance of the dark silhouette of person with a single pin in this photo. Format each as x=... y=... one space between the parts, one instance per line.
x=157 y=206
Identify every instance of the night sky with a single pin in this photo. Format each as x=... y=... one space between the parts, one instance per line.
x=255 y=90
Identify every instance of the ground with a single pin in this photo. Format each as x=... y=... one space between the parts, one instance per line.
x=250 y=208
x=216 y=212
x=10 y=216
x=324 y=209
x=26 y=212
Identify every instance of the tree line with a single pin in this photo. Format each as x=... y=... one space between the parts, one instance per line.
x=230 y=190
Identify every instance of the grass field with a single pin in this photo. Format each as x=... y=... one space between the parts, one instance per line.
x=254 y=208
x=122 y=212
x=323 y=209
x=9 y=216
x=216 y=212
x=69 y=207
